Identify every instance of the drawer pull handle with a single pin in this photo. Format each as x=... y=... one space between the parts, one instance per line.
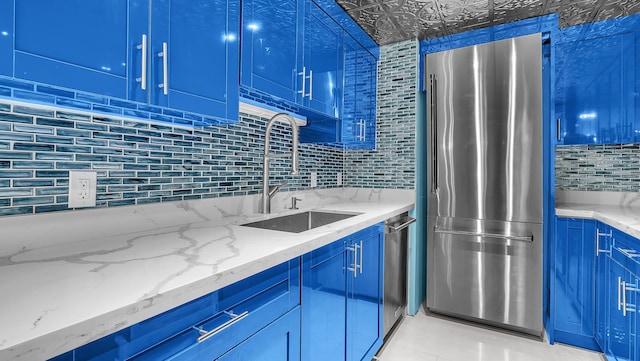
x=234 y=318
x=630 y=253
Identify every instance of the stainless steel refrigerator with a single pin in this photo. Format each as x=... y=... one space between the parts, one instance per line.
x=484 y=246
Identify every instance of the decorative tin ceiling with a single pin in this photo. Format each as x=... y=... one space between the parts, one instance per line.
x=389 y=21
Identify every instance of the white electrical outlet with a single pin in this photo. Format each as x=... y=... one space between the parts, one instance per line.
x=339 y=178
x=314 y=179
x=82 y=189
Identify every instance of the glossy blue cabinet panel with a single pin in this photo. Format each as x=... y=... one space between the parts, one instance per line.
x=620 y=332
x=322 y=62
x=6 y=38
x=76 y=44
x=603 y=251
x=575 y=259
x=201 y=38
x=342 y=298
x=324 y=303
x=280 y=341
x=271 y=57
x=596 y=83
x=364 y=298
x=359 y=100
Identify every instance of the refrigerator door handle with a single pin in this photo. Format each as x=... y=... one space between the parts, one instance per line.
x=433 y=100
x=528 y=238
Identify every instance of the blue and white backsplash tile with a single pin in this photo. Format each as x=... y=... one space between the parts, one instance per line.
x=610 y=167
x=141 y=162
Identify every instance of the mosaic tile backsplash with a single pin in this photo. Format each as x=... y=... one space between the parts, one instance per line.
x=139 y=162
x=392 y=163
x=598 y=167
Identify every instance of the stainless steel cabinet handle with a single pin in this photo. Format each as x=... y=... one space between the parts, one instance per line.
x=361 y=251
x=304 y=81
x=354 y=249
x=619 y=284
x=165 y=69
x=433 y=89
x=558 y=130
x=629 y=253
x=234 y=318
x=404 y=225
x=310 y=84
x=624 y=298
x=143 y=76
x=598 y=234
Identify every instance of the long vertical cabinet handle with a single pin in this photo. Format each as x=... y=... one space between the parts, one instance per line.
x=433 y=90
x=558 y=131
x=598 y=235
x=619 y=284
x=361 y=251
x=354 y=249
x=143 y=76
x=624 y=298
x=303 y=73
x=165 y=69
x=310 y=84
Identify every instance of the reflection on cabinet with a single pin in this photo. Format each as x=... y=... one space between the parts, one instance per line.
x=359 y=102
x=342 y=298
x=596 y=82
x=181 y=54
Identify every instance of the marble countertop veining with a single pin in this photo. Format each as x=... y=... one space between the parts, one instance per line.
x=617 y=209
x=69 y=278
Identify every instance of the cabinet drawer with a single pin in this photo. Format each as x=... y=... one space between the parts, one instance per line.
x=626 y=251
x=174 y=334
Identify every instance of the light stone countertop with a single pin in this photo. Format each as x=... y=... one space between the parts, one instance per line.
x=69 y=278
x=617 y=209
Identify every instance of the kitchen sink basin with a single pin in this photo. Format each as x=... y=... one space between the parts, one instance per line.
x=299 y=222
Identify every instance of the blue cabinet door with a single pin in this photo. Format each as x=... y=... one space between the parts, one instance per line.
x=603 y=252
x=364 y=297
x=619 y=342
x=574 y=282
x=199 y=71
x=83 y=45
x=280 y=341
x=271 y=57
x=359 y=96
x=324 y=303
x=595 y=87
x=6 y=38
x=322 y=62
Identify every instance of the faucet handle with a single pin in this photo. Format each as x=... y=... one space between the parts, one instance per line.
x=294 y=202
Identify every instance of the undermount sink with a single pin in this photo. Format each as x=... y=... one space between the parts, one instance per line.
x=299 y=222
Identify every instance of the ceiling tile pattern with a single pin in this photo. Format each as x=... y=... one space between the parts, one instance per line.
x=390 y=21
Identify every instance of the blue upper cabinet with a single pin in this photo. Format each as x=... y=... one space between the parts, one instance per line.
x=271 y=56
x=359 y=100
x=596 y=82
x=200 y=38
x=6 y=37
x=322 y=70
x=75 y=44
x=178 y=54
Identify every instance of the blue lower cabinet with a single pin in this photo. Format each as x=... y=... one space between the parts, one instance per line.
x=622 y=313
x=207 y=327
x=280 y=341
x=342 y=298
x=575 y=259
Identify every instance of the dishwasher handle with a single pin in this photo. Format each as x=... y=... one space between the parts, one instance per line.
x=394 y=229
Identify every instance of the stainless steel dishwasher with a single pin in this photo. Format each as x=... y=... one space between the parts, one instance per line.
x=395 y=269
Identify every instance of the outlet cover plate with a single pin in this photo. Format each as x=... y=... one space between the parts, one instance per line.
x=82 y=189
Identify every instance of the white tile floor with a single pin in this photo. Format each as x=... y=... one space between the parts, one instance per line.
x=427 y=338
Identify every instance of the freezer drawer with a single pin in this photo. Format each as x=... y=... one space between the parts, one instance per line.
x=489 y=273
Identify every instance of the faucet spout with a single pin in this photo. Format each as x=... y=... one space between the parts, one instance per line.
x=267 y=192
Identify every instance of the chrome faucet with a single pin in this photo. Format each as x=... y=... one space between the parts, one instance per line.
x=267 y=191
